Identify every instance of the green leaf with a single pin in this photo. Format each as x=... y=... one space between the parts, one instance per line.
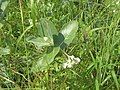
x=40 y=42
x=115 y=79
x=105 y=80
x=46 y=28
x=4 y=51
x=69 y=31
x=96 y=84
x=4 y=5
x=44 y=62
x=74 y=0
x=1 y=25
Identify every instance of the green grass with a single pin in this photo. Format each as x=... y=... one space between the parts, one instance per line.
x=97 y=44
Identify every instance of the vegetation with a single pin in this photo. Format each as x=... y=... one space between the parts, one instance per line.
x=60 y=44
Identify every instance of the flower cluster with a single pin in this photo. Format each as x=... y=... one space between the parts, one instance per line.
x=71 y=61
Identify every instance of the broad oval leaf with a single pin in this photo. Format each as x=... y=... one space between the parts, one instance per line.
x=40 y=42
x=69 y=31
x=44 y=62
x=4 y=4
x=46 y=28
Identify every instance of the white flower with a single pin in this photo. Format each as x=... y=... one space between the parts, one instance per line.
x=74 y=60
x=71 y=61
x=77 y=60
x=65 y=65
x=69 y=65
x=45 y=38
x=71 y=57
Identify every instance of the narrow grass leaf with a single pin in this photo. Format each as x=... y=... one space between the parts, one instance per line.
x=108 y=77
x=21 y=36
x=115 y=79
x=97 y=84
x=1 y=25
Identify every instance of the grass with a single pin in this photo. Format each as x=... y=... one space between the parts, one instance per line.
x=97 y=44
